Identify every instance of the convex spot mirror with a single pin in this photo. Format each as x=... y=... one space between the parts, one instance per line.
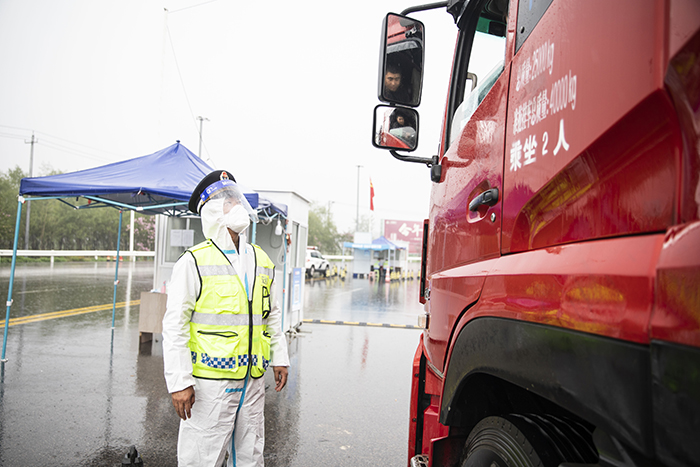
x=401 y=60
x=395 y=128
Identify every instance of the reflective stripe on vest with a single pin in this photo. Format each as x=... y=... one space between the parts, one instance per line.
x=216 y=270
x=228 y=333
x=226 y=320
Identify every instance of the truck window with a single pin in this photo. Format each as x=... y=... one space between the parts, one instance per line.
x=483 y=51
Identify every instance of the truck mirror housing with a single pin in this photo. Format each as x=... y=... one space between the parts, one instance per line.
x=395 y=128
x=401 y=60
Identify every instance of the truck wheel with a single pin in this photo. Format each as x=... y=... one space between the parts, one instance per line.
x=527 y=440
x=325 y=272
x=311 y=272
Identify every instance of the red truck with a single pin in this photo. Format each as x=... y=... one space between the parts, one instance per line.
x=561 y=257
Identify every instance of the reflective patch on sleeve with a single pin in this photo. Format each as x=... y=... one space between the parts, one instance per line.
x=264 y=271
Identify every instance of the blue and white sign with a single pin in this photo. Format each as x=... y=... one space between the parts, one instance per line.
x=296 y=289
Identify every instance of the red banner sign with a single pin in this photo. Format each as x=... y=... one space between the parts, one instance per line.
x=405 y=231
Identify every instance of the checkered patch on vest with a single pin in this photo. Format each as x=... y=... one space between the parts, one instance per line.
x=217 y=362
x=266 y=364
x=194 y=357
x=243 y=360
x=255 y=360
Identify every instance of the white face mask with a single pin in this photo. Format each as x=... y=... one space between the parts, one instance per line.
x=237 y=219
x=212 y=224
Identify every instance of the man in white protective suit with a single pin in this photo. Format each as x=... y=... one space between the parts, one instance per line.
x=221 y=332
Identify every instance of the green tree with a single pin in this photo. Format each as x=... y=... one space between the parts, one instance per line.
x=323 y=232
x=54 y=225
x=9 y=188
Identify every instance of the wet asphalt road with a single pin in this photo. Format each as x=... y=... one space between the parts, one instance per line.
x=76 y=393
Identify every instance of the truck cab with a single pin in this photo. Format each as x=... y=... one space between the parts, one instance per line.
x=562 y=245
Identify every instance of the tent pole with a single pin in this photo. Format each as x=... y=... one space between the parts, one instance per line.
x=116 y=269
x=284 y=279
x=12 y=279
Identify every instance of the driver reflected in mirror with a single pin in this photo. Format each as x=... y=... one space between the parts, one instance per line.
x=400 y=118
x=403 y=126
x=396 y=89
x=396 y=128
x=401 y=64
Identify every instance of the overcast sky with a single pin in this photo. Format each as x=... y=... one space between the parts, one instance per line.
x=288 y=89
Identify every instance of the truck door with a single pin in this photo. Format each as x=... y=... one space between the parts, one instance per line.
x=474 y=138
x=466 y=208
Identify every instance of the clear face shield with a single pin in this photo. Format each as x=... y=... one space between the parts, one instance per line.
x=224 y=206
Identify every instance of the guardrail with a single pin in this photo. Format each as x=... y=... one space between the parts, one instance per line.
x=82 y=253
x=338 y=257
x=411 y=259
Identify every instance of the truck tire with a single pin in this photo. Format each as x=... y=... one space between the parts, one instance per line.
x=311 y=272
x=529 y=441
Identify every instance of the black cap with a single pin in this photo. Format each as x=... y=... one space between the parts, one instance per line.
x=213 y=177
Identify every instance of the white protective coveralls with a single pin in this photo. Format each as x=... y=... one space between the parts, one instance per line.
x=205 y=439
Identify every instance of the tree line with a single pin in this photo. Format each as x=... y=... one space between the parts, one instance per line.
x=323 y=233
x=53 y=225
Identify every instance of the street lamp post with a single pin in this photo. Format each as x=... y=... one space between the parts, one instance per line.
x=201 y=119
x=357 y=219
x=31 y=174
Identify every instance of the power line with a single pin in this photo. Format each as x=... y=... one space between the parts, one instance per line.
x=79 y=144
x=61 y=147
x=15 y=128
x=192 y=6
x=182 y=81
x=75 y=152
x=10 y=135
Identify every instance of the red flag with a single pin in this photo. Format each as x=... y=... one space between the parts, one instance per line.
x=371 y=195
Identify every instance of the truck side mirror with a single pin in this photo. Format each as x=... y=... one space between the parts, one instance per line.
x=401 y=60
x=395 y=128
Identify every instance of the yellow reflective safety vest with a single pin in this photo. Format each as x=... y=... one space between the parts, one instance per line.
x=228 y=329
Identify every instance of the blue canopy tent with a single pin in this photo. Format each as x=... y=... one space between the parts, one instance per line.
x=160 y=183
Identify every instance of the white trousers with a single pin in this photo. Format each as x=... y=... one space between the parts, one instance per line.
x=205 y=439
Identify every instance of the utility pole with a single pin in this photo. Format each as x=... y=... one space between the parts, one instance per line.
x=31 y=173
x=328 y=213
x=357 y=219
x=201 y=119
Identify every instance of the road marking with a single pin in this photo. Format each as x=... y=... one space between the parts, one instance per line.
x=361 y=323
x=65 y=313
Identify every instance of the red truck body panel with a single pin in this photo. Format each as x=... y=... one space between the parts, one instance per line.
x=591 y=135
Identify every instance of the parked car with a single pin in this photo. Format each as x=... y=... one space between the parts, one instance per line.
x=315 y=262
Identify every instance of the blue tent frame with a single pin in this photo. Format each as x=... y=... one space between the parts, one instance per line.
x=159 y=183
